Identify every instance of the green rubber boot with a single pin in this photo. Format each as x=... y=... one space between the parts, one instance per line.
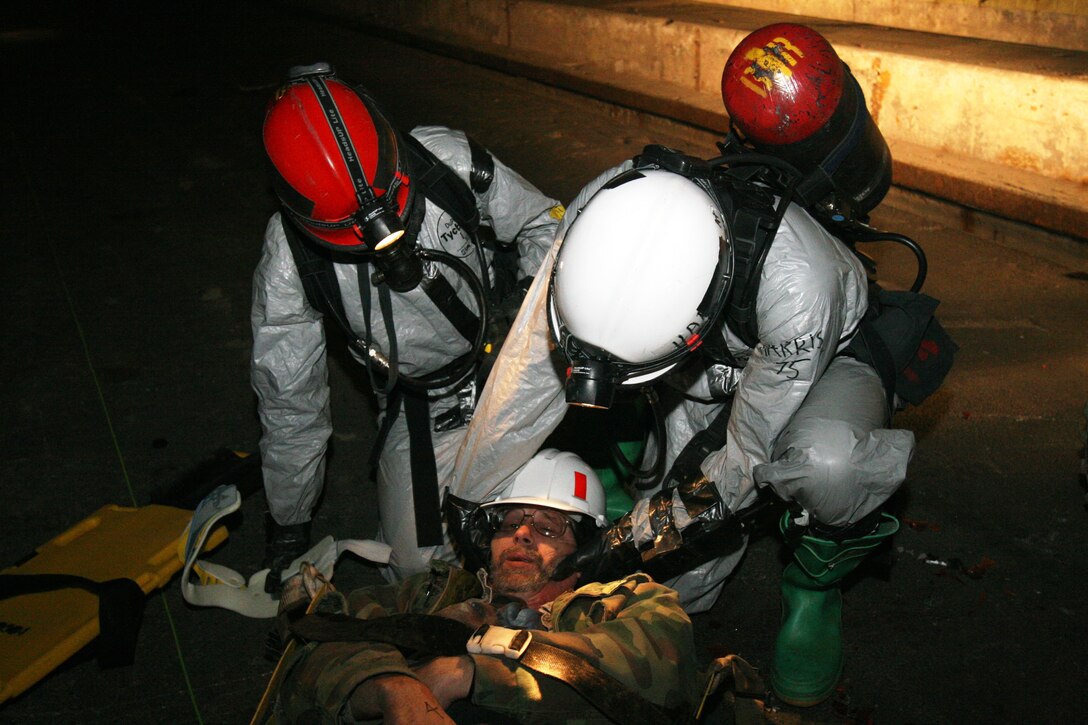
x=808 y=651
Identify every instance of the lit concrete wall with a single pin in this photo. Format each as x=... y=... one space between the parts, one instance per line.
x=1048 y=23
x=998 y=126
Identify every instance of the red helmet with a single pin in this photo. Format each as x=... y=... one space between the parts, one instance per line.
x=338 y=168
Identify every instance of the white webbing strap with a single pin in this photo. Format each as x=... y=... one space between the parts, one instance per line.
x=206 y=584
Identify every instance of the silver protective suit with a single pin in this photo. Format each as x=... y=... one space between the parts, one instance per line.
x=289 y=370
x=805 y=421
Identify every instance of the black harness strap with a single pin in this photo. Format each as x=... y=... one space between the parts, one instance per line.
x=441 y=185
x=686 y=466
x=120 y=609
x=612 y=698
x=483 y=167
x=392 y=411
x=420 y=635
x=425 y=500
x=442 y=294
x=431 y=635
x=868 y=347
x=316 y=271
x=754 y=224
x=425 y=495
x=480 y=177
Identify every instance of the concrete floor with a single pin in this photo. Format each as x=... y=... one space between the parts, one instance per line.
x=135 y=195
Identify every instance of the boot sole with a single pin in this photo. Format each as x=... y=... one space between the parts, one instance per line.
x=804 y=700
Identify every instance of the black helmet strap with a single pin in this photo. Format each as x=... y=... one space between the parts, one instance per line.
x=363 y=192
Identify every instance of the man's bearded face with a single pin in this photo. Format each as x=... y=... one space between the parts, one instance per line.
x=520 y=570
x=522 y=558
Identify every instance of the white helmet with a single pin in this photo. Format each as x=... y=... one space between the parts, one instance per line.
x=557 y=480
x=642 y=272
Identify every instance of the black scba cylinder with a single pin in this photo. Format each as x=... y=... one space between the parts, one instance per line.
x=849 y=148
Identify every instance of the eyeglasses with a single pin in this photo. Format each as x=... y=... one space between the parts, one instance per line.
x=546 y=523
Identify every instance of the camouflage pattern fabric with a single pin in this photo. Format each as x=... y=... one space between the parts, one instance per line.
x=632 y=629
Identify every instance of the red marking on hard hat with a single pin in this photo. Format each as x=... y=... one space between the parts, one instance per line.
x=694 y=341
x=580 y=485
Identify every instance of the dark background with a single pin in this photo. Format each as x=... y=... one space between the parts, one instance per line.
x=134 y=199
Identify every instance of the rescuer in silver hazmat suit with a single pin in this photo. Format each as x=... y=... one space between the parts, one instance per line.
x=806 y=422
x=652 y=263
x=387 y=231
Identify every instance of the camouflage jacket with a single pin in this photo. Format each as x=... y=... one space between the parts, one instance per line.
x=632 y=629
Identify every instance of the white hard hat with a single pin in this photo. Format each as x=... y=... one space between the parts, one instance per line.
x=558 y=480
x=643 y=270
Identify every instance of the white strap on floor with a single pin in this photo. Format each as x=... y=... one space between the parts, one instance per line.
x=205 y=584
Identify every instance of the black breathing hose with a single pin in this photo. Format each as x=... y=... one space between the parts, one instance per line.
x=858 y=232
x=653 y=473
x=865 y=233
x=457 y=370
